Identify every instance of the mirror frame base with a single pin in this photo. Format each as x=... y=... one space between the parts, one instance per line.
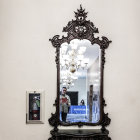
x=83 y=134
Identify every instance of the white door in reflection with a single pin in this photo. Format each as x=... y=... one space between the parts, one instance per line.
x=80 y=82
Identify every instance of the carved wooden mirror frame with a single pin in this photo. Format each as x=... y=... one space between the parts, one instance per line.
x=80 y=29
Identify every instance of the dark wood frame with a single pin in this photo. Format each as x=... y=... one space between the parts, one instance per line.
x=80 y=29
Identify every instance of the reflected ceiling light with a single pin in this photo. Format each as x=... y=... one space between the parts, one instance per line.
x=67 y=79
x=97 y=81
x=95 y=75
x=74 y=47
x=95 y=85
x=73 y=59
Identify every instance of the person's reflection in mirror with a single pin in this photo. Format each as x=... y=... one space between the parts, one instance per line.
x=82 y=102
x=65 y=104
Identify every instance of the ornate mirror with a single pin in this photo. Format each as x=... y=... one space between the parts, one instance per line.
x=80 y=58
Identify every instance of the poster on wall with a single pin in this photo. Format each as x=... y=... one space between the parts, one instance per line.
x=35 y=107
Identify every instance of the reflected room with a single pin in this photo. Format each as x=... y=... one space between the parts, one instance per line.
x=80 y=82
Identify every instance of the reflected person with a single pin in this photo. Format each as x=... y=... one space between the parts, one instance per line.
x=82 y=102
x=65 y=104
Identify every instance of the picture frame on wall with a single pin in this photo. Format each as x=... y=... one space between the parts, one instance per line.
x=35 y=107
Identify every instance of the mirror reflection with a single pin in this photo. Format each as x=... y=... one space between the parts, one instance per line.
x=79 y=82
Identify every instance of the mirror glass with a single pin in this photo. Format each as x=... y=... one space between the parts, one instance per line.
x=79 y=82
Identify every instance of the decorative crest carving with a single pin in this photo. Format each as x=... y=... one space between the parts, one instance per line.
x=80 y=15
x=80 y=28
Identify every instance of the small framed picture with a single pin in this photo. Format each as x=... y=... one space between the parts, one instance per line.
x=35 y=107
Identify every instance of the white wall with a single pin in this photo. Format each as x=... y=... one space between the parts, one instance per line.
x=27 y=61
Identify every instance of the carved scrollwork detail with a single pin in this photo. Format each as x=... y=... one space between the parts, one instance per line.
x=108 y=138
x=104 y=104
x=80 y=124
x=53 y=133
x=105 y=42
x=57 y=56
x=106 y=120
x=55 y=104
x=53 y=120
x=55 y=41
x=80 y=28
x=80 y=15
x=102 y=138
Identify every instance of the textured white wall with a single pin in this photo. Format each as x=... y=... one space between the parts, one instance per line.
x=27 y=61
